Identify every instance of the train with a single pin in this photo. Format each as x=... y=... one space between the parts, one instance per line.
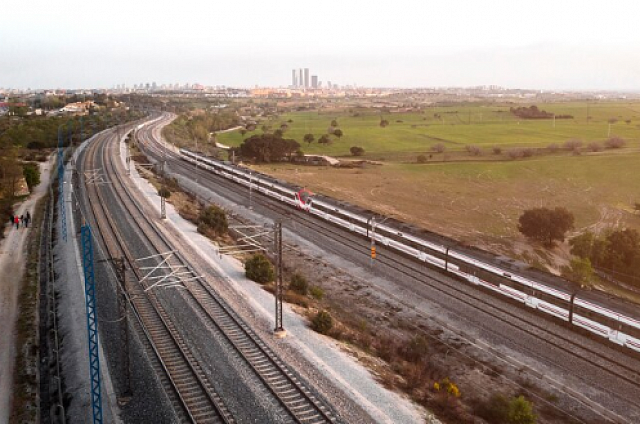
x=561 y=304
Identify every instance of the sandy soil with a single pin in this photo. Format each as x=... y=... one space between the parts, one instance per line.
x=12 y=257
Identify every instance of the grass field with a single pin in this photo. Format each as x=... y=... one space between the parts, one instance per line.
x=477 y=200
x=456 y=127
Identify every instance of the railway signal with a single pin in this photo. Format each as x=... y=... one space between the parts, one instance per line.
x=373 y=252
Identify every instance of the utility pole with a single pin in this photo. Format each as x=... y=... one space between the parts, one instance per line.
x=373 y=239
x=250 y=190
x=277 y=238
x=121 y=270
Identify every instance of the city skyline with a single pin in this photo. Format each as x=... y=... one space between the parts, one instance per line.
x=547 y=45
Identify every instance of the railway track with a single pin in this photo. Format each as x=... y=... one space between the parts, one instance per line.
x=617 y=369
x=288 y=389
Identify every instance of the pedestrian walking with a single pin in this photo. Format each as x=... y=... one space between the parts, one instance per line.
x=22 y=219
x=27 y=219
x=16 y=220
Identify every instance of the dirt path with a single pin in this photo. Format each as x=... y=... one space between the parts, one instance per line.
x=12 y=257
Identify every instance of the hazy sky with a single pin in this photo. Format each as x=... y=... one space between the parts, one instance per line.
x=562 y=44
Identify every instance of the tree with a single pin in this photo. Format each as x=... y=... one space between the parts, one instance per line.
x=324 y=139
x=421 y=159
x=243 y=132
x=309 y=138
x=520 y=411
x=213 y=219
x=615 y=142
x=384 y=123
x=579 y=271
x=278 y=133
x=473 y=150
x=268 y=148
x=338 y=132
x=546 y=225
x=623 y=250
x=573 y=144
x=259 y=269
x=334 y=123
x=356 y=151
x=588 y=246
x=31 y=175
x=439 y=148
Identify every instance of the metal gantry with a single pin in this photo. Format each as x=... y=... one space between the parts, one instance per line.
x=92 y=322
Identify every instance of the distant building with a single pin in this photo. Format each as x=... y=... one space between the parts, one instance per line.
x=314 y=81
x=306 y=77
x=294 y=83
x=300 y=78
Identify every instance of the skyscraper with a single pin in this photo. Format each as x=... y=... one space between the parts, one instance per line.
x=300 y=78
x=306 y=77
x=314 y=81
x=293 y=78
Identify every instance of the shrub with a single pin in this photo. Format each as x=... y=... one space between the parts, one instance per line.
x=615 y=142
x=494 y=410
x=31 y=174
x=384 y=123
x=573 y=144
x=299 y=284
x=164 y=192
x=520 y=411
x=322 y=322
x=515 y=153
x=316 y=292
x=497 y=150
x=334 y=123
x=438 y=148
x=527 y=152
x=421 y=159
x=259 y=269
x=214 y=219
x=553 y=147
x=416 y=349
x=594 y=146
x=356 y=151
x=473 y=150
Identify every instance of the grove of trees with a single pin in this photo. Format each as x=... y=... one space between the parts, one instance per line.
x=268 y=148
x=617 y=252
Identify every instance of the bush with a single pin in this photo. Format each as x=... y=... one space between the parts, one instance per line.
x=573 y=144
x=299 y=284
x=473 y=150
x=493 y=410
x=214 y=219
x=527 y=152
x=421 y=159
x=438 y=148
x=164 y=192
x=520 y=411
x=594 y=146
x=356 y=151
x=259 y=269
x=515 y=153
x=316 y=292
x=322 y=322
x=416 y=349
x=384 y=123
x=615 y=142
x=497 y=150
x=553 y=147
x=31 y=174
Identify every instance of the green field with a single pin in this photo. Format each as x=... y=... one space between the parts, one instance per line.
x=456 y=127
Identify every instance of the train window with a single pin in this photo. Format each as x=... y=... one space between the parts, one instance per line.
x=632 y=331
x=505 y=274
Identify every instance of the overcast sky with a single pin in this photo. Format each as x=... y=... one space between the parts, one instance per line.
x=562 y=44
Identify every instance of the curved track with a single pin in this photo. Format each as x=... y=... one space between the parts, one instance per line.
x=623 y=372
x=198 y=395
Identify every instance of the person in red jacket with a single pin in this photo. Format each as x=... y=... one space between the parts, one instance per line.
x=16 y=221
